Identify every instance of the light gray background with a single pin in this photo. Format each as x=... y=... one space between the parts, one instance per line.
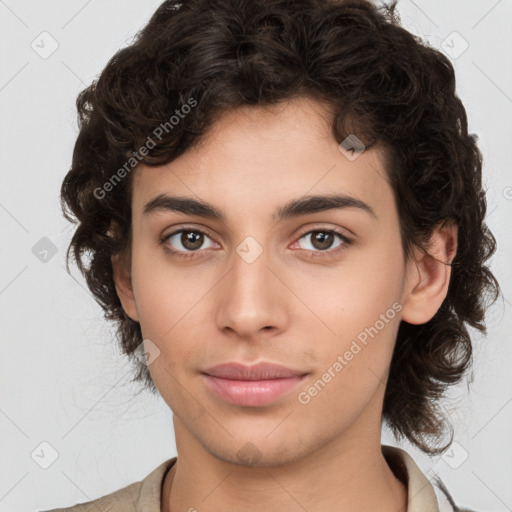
x=63 y=380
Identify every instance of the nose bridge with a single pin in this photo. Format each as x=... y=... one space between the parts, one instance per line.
x=249 y=275
x=250 y=300
x=250 y=265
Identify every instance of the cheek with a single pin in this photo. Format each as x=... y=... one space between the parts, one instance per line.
x=343 y=301
x=171 y=308
x=353 y=354
x=356 y=316
x=167 y=296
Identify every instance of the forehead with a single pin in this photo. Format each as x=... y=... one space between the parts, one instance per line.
x=254 y=158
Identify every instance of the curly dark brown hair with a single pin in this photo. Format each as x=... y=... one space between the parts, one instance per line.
x=382 y=83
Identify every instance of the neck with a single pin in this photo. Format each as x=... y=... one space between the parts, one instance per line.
x=338 y=477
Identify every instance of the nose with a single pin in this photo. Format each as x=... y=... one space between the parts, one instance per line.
x=252 y=298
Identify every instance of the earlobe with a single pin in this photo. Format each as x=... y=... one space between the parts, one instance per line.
x=123 y=284
x=428 y=276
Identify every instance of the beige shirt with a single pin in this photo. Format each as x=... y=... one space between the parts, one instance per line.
x=145 y=495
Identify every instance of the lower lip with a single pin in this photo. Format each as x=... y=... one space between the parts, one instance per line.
x=251 y=392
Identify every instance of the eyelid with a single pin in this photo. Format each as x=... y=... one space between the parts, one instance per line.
x=325 y=227
x=187 y=227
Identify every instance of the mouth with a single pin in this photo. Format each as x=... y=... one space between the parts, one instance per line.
x=252 y=386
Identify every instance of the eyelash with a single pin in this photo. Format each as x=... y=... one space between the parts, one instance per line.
x=314 y=254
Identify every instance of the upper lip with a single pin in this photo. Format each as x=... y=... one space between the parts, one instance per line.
x=259 y=371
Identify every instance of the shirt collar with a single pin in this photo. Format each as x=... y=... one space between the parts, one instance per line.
x=421 y=494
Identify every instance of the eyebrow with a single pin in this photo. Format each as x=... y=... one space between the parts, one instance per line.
x=295 y=208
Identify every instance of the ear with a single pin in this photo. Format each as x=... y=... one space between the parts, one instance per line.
x=123 y=282
x=428 y=275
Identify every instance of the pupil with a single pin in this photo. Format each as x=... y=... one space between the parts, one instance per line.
x=322 y=240
x=191 y=240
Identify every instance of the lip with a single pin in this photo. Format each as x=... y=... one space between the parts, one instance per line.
x=259 y=371
x=254 y=385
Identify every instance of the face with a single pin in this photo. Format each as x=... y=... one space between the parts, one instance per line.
x=318 y=290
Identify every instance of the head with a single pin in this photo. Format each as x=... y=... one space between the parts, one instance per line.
x=247 y=125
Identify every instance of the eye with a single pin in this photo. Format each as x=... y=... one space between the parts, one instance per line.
x=184 y=241
x=324 y=241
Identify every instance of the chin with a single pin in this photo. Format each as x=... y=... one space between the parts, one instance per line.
x=259 y=453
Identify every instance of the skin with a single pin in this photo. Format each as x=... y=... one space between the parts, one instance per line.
x=285 y=307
